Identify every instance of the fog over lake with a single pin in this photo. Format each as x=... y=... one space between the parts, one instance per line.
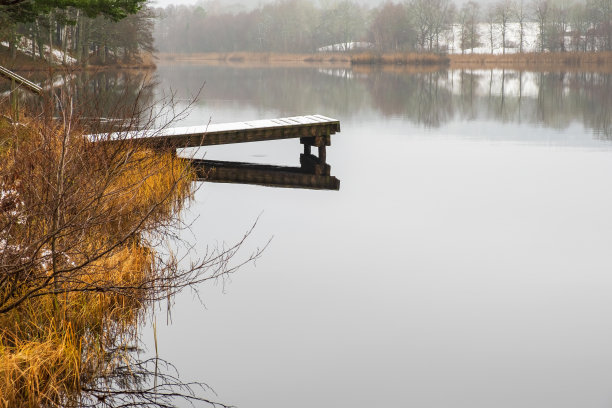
x=464 y=262
x=250 y=4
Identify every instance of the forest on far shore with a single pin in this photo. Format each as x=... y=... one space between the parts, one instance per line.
x=415 y=25
x=69 y=35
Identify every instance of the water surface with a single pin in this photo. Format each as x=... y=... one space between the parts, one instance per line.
x=465 y=261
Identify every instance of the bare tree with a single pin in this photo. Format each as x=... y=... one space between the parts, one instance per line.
x=503 y=12
x=390 y=28
x=490 y=19
x=520 y=13
x=602 y=19
x=468 y=16
x=431 y=18
x=541 y=11
x=419 y=11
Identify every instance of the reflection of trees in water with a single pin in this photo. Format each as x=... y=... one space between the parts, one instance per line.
x=422 y=98
x=552 y=99
x=104 y=94
x=111 y=93
x=431 y=99
x=593 y=92
x=290 y=91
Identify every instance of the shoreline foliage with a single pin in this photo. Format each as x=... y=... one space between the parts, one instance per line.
x=85 y=253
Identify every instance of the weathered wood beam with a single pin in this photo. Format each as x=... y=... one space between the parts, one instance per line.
x=18 y=79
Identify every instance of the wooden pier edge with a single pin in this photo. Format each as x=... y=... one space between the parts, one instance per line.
x=311 y=130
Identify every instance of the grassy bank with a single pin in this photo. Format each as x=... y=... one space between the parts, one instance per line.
x=78 y=269
x=24 y=62
x=587 y=61
x=418 y=59
x=574 y=61
x=257 y=58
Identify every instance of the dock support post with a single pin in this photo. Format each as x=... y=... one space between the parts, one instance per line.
x=322 y=154
x=320 y=141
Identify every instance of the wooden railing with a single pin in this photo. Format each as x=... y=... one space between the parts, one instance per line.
x=18 y=79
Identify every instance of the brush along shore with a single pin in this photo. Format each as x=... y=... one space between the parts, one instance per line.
x=83 y=260
x=598 y=61
x=21 y=62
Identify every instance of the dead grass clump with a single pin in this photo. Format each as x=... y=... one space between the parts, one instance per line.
x=77 y=265
x=40 y=371
x=256 y=59
x=548 y=61
x=399 y=58
x=366 y=58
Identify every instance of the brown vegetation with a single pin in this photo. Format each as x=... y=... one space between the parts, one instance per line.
x=257 y=58
x=82 y=256
x=24 y=63
x=144 y=61
x=585 y=61
x=76 y=267
x=399 y=58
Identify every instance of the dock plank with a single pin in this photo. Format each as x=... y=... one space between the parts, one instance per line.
x=227 y=133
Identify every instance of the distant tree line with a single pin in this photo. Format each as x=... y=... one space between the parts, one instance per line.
x=413 y=25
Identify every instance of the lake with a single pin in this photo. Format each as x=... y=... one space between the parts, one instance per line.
x=465 y=261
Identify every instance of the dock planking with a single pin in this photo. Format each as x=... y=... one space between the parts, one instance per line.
x=314 y=129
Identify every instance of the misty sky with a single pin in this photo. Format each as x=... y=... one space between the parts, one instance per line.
x=248 y=4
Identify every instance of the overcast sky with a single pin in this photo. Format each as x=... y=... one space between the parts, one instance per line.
x=248 y=4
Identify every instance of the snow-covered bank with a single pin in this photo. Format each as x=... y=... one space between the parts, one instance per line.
x=486 y=32
x=57 y=56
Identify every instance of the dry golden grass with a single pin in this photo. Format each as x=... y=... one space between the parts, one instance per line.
x=395 y=68
x=51 y=345
x=419 y=59
x=588 y=61
x=568 y=61
x=255 y=59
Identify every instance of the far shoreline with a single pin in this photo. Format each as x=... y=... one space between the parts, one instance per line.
x=25 y=63
x=557 y=61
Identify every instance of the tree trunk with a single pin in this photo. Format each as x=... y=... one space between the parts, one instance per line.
x=33 y=39
x=50 y=39
x=13 y=44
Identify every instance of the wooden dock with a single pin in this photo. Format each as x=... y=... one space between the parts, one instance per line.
x=317 y=127
x=311 y=130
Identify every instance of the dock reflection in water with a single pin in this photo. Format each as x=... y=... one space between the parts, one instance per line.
x=312 y=174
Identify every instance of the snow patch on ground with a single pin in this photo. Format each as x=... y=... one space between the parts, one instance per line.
x=25 y=45
x=347 y=46
x=513 y=30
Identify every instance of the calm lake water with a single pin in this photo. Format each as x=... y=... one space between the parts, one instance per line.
x=465 y=261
